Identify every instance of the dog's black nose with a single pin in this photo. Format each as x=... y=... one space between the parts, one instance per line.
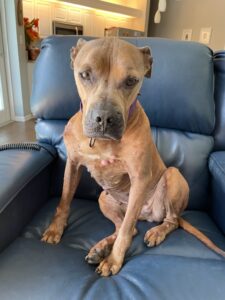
x=100 y=120
x=104 y=120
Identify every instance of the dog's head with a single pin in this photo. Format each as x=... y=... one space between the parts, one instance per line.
x=109 y=73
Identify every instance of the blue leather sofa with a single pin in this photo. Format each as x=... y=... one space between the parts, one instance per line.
x=185 y=101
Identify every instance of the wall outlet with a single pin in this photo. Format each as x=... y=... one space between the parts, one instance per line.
x=205 y=35
x=186 y=35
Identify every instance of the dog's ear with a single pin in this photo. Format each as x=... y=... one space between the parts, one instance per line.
x=148 y=60
x=75 y=50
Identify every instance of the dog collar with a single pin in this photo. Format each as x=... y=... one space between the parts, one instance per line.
x=132 y=108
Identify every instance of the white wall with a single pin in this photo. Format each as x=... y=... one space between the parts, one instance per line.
x=191 y=14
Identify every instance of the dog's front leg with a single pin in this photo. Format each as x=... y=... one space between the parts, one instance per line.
x=113 y=263
x=71 y=179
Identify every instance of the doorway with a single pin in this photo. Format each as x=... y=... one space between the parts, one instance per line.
x=4 y=100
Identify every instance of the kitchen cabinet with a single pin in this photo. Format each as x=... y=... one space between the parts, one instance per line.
x=74 y=16
x=111 y=22
x=28 y=9
x=59 y=13
x=117 y=22
x=125 y=23
x=94 y=23
x=41 y=10
x=87 y=22
x=43 y=13
x=98 y=25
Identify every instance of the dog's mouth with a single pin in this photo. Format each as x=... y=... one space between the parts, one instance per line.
x=99 y=133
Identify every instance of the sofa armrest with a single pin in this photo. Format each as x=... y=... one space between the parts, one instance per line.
x=24 y=187
x=217 y=170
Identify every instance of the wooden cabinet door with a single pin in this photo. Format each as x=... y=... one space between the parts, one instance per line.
x=125 y=23
x=74 y=16
x=43 y=12
x=98 y=25
x=28 y=9
x=87 y=22
x=59 y=13
x=111 y=22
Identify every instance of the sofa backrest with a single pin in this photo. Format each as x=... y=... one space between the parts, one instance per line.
x=178 y=99
x=219 y=133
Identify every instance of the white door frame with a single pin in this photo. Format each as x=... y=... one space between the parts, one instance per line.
x=5 y=112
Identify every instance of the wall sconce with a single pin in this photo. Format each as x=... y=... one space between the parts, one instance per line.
x=162 y=5
x=161 y=8
x=157 y=18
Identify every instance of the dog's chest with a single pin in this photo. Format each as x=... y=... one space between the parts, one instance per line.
x=110 y=176
x=105 y=166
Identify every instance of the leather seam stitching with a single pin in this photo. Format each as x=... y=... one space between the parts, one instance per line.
x=218 y=165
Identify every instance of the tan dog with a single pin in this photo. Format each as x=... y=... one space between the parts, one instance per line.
x=111 y=136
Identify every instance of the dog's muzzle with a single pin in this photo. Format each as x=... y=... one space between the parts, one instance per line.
x=104 y=120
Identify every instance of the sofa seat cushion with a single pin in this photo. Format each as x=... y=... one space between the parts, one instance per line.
x=180 y=268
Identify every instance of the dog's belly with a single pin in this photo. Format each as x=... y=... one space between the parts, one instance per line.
x=113 y=178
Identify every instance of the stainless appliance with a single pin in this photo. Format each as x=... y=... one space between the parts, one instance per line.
x=66 y=28
x=119 y=31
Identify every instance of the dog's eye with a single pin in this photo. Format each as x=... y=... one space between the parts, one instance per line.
x=131 y=81
x=85 y=75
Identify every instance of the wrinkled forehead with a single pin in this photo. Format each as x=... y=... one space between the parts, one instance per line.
x=110 y=54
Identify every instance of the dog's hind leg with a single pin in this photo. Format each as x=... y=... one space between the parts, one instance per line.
x=172 y=195
x=115 y=213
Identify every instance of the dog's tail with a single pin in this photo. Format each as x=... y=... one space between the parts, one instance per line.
x=199 y=235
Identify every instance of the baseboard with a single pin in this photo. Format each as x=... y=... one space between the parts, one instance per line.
x=5 y=123
x=23 y=118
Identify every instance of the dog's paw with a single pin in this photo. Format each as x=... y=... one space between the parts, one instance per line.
x=95 y=256
x=99 y=252
x=109 y=266
x=154 y=236
x=52 y=234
